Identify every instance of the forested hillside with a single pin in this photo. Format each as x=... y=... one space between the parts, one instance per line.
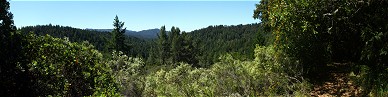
x=301 y=48
x=139 y=47
x=210 y=42
x=75 y=35
x=238 y=40
x=206 y=45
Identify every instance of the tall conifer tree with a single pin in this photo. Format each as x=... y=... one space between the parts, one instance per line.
x=163 y=45
x=118 y=38
x=13 y=76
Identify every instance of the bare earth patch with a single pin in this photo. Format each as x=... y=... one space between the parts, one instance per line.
x=338 y=84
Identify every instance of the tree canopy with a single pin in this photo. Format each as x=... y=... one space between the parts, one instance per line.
x=326 y=31
x=118 y=37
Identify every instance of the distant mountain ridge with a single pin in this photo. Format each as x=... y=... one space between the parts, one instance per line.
x=143 y=34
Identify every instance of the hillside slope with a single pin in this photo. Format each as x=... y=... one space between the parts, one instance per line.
x=97 y=38
x=239 y=40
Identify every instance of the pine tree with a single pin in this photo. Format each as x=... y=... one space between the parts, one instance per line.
x=14 y=80
x=188 y=51
x=175 y=44
x=6 y=26
x=163 y=45
x=118 y=36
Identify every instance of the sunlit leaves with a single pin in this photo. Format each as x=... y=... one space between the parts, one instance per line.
x=64 y=68
x=317 y=32
x=127 y=72
x=261 y=77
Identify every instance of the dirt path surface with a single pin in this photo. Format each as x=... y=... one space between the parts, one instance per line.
x=336 y=83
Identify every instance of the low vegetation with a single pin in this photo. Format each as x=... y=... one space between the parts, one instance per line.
x=295 y=43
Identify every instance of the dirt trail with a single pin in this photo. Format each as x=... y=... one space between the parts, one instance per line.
x=336 y=83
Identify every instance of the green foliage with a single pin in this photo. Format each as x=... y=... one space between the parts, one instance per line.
x=118 y=37
x=377 y=86
x=168 y=83
x=6 y=18
x=98 y=39
x=297 y=30
x=173 y=48
x=12 y=56
x=227 y=78
x=187 y=51
x=61 y=68
x=47 y=66
x=175 y=41
x=277 y=61
x=201 y=48
x=374 y=34
x=217 y=40
x=163 y=46
x=101 y=40
x=128 y=74
x=318 y=32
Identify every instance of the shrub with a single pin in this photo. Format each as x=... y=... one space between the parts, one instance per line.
x=265 y=76
x=127 y=73
x=62 y=68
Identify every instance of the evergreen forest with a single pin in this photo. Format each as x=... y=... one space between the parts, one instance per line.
x=300 y=48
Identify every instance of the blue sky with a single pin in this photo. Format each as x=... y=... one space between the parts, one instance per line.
x=137 y=15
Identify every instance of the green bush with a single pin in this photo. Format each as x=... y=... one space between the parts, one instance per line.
x=286 y=70
x=179 y=81
x=61 y=68
x=319 y=32
x=128 y=73
x=265 y=76
x=364 y=76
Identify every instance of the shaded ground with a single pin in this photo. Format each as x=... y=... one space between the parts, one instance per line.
x=335 y=82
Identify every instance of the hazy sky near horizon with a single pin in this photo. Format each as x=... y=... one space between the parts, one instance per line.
x=137 y=15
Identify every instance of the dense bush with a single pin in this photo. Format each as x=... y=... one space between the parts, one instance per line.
x=376 y=83
x=47 y=66
x=318 y=32
x=61 y=68
x=266 y=76
x=128 y=73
